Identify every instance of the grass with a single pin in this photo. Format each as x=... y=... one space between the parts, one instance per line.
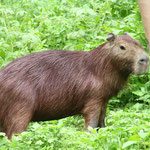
x=126 y=129
x=35 y=25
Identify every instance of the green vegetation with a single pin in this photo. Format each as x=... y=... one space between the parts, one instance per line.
x=34 y=25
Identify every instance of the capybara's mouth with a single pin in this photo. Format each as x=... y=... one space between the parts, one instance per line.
x=141 y=70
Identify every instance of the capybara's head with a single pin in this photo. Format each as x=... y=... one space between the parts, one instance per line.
x=129 y=52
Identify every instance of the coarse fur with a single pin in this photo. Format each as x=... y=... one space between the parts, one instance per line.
x=51 y=84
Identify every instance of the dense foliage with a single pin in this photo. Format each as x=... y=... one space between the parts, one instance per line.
x=34 y=25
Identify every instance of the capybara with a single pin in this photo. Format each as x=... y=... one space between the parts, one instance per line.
x=55 y=84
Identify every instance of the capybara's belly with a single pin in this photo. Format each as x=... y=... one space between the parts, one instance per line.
x=57 y=109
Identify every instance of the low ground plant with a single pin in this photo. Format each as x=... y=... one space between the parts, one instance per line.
x=28 y=26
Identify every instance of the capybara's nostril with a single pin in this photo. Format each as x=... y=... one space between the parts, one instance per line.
x=144 y=60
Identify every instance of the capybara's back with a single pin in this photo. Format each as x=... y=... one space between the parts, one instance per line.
x=55 y=84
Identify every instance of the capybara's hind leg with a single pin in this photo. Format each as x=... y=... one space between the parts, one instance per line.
x=17 y=124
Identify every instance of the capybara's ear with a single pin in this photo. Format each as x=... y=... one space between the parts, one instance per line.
x=111 y=37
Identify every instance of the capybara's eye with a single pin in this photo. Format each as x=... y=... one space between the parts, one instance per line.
x=122 y=47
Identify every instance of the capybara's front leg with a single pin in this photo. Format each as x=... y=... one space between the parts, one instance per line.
x=91 y=115
x=101 y=122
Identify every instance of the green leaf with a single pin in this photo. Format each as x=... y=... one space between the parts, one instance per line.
x=134 y=138
x=39 y=142
x=2 y=134
x=143 y=135
x=138 y=93
x=129 y=143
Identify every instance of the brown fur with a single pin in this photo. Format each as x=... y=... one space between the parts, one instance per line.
x=56 y=84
